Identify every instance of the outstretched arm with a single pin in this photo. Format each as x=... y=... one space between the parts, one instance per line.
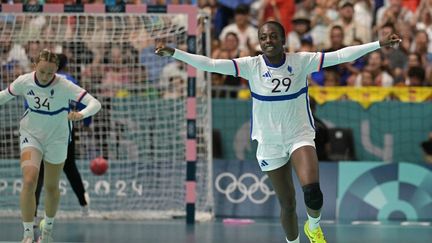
x=5 y=96
x=222 y=66
x=351 y=53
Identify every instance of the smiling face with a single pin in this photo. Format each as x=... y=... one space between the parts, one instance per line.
x=271 y=39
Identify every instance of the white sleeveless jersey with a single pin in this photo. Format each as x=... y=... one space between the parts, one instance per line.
x=280 y=101
x=48 y=105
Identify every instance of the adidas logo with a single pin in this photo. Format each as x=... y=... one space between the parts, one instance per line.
x=267 y=74
x=31 y=92
x=264 y=163
x=25 y=141
x=27 y=230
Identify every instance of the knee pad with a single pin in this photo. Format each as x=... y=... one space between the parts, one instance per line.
x=313 y=196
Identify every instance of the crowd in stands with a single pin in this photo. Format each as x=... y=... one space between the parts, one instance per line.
x=329 y=25
x=311 y=25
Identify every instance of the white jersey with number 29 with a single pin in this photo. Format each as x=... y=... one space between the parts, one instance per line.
x=280 y=112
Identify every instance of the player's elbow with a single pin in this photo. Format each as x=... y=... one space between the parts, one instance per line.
x=98 y=105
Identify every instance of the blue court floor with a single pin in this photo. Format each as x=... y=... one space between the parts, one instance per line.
x=176 y=231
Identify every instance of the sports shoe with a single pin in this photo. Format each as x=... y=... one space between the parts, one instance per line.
x=87 y=198
x=85 y=211
x=315 y=236
x=46 y=233
x=27 y=240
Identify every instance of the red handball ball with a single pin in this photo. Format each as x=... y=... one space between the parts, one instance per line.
x=99 y=165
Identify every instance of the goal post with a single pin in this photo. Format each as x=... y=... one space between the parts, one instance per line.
x=155 y=124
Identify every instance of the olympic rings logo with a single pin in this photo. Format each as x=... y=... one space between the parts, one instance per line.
x=246 y=192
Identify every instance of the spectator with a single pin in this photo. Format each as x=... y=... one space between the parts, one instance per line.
x=336 y=38
x=416 y=76
x=364 y=79
x=231 y=45
x=396 y=57
x=33 y=48
x=420 y=45
x=322 y=17
x=364 y=13
x=422 y=19
x=308 y=5
x=352 y=29
x=414 y=60
x=301 y=28
x=13 y=53
x=279 y=10
x=395 y=13
x=245 y=31
x=375 y=64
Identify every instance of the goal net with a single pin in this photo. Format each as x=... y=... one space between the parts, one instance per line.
x=141 y=129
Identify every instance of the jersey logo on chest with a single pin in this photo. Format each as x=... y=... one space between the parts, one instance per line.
x=290 y=71
x=267 y=74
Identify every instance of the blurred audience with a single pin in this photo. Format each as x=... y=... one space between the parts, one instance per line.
x=311 y=25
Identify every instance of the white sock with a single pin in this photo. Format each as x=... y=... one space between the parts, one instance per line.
x=314 y=222
x=49 y=222
x=28 y=229
x=297 y=240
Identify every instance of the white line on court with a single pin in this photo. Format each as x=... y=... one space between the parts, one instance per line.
x=366 y=222
x=413 y=223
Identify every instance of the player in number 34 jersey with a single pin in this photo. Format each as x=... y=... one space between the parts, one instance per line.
x=48 y=104
x=44 y=135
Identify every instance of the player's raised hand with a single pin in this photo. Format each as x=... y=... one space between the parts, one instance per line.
x=75 y=116
x=164 y=51
x=392 y=40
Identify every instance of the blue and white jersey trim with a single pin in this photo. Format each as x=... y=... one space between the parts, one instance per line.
x=50 y=113
x=280 y=97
